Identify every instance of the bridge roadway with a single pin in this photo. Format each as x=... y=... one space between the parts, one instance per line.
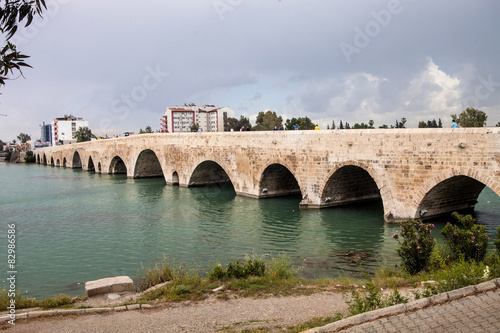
x=416 y=173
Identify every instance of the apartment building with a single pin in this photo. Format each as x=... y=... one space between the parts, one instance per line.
x=64 y=129
x=209 y=118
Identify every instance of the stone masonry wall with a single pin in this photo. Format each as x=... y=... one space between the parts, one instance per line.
x=405 y=164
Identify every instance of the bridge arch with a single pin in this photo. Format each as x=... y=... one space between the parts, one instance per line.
x=44 y=159
x=64 y=162
x=90 y=164
x=209 y=173
x=38 y=158
x=77 y=161
x=349 y=182
x=277 y=180
x=52 y=161
x=117 y=166
x=452 y=191
x=99 y=168
x=147 y=165
x=58 y=162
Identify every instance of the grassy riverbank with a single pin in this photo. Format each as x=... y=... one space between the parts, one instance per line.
x=277 y=276
x=256 y=277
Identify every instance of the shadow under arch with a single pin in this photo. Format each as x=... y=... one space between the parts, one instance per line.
x=117 y=166
x=209 y=173
x=277 y=180
x=58 y=162
x=38 y=158
x=457 y=193
x=99 y=169
x=52 y=161
x=90 y=164
x=147 y=165
x=64 y=162
x=77 y=161
x=44 y=162
x=175 y=178
x=349 y=184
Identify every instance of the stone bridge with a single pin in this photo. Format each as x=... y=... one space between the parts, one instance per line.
x=416 y=173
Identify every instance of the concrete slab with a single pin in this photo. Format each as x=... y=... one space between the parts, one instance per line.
x=109 y=285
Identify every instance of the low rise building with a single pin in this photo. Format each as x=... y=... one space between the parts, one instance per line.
x=208 y=117
x=62 y=130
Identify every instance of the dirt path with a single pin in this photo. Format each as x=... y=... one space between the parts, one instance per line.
x=211 y=315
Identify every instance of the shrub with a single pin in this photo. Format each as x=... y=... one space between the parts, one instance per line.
x=416 y=247
x=29 y=158
x=460 y=274
x=252 y=267
x=161 y=270
x=469 y=242
x=282 y=268
x=369 y=298
x=497 y=242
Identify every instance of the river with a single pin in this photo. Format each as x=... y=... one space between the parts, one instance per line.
x=74 y=226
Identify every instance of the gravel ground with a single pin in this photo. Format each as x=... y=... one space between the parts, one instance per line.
x=211 y=315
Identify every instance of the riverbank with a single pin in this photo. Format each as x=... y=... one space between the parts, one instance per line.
x=276 y=314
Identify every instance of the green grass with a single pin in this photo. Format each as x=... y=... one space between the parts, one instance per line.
x=25 y=303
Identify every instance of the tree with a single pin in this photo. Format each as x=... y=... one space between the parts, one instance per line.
x=470 y=118
x=371 y=122
x=422 y=124
x=341 y=125
x=440 y=124
x=231 y=123
x=29 y=158
x=195 y=127
x=83 y=134
x=403 y=122
x=383 y=126
x=498 y=124
x=333 y=125
x=267 y=121
x=12 y=13
x=23 y=137
x=236 y=124
x=146 y=130
x=360 y=126
x=304 y=123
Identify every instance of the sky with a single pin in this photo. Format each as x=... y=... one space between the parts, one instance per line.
x=120 y=63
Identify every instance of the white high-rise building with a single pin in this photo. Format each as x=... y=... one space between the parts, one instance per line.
x=209 y=118
x=64 y=129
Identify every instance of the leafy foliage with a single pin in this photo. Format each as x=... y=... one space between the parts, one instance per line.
x=416 y=248
x=470 y=241
x=497 y=242
x=12 y=13
x=148 y=129
x=430 y=124
x=83 y=134
x=471 y=118
x=30 y=157
x=267 y=121
x=235 y=124
x=252 y=267
x=23 y=137
x=195 y=127
x=370 y=297
x=304 y=123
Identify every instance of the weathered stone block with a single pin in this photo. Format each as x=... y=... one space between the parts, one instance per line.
x=109 y=285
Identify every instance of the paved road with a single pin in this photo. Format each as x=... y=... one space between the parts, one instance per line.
x=470 y=309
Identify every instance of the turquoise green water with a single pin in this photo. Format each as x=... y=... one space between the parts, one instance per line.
x=76 y=226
